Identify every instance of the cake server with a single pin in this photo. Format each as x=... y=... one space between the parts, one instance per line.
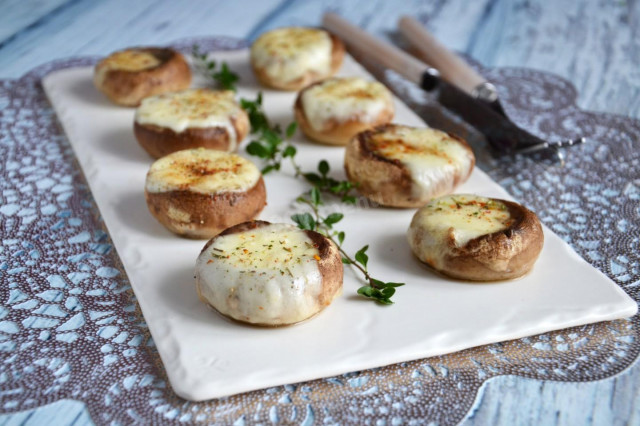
x=458 y=87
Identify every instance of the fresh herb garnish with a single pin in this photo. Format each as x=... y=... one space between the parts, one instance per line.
x=271 y=144
x=375 y=289
x=269 y=141
x=224 y=77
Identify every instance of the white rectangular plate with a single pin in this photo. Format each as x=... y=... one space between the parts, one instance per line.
x=206 y=356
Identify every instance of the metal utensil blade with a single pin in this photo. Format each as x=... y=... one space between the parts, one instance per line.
x=500 y=131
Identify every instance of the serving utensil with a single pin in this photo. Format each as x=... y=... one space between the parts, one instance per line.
x=458 y=87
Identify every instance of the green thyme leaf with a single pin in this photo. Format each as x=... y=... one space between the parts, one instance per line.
x=348 y=199
x=315 y=196
x=271 y=137
x=266 y=169
x=312 y=178
x=289 y=151
x=361 y=256
x=257 y=149
x=291 y=129
x=333 y=218
x=226 y=78
x=304 y=221
x=388 y=292
x=376 y=283
x=366 y=291
x=323 y=167
x=341 y=237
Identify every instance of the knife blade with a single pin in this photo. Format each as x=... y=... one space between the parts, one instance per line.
x=502 y=134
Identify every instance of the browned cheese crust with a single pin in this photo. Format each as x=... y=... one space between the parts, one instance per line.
x=484 y=258
x=329 y=265
x=337 y=132
x=128 y=88
x=160 y=141
x=388 y=181
x=195 y=215
x=337 y=56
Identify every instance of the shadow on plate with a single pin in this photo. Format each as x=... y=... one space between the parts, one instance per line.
x=393 y=251
x=85 y=91
x=132 y=210
x=122 y=143
x=178 y=288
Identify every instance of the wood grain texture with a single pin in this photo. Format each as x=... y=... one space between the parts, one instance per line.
x=594 y=44
x=98 y=28
x=20 y=15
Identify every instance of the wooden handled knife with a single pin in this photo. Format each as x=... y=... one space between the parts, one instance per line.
x=458 y=87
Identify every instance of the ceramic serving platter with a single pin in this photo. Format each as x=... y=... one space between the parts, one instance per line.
x=207 y=356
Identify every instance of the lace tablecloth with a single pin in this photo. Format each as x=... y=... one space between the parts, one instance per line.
x=70 y=326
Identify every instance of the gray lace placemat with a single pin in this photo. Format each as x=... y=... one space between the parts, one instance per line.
x=70 y=327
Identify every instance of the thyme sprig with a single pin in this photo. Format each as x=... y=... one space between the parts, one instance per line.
x=224 y=77
x=269 y=142
x=375 y=289
x=272 y=145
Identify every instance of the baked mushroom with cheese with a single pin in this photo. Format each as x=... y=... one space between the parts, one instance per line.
x=269 y=274
x=402 y=166
x=335 y=110
x=294 y=57
x=197 y=193
x=128 y=76
x=476 y=238
x=192 y=118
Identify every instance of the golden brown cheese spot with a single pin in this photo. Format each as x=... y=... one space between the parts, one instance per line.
x=288 y=42
x=344 y=99
x=431 y=156
x=275 y=248
x=198 y=108
x=130 y=60
x=286 y=54
x=469 y=216
x=202 y=170
x=403 y=143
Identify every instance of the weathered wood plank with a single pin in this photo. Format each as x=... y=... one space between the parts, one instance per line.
x=596 y=45
x=90 y=28
x=510 y=400
x=18 y=15
x=380 y=17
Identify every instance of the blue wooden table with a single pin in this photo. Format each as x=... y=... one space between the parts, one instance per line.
x=593 y=44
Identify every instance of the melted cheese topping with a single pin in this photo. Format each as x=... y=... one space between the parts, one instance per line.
x=461 y=217
x=433 y=158
x=202 y=170
x=344 y=99
x=198 y=108
x=268 y=275
x=287 y=54
x=125 y=60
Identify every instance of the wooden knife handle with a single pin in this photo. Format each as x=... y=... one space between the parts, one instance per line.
x=451 y=66
x=383 y=53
